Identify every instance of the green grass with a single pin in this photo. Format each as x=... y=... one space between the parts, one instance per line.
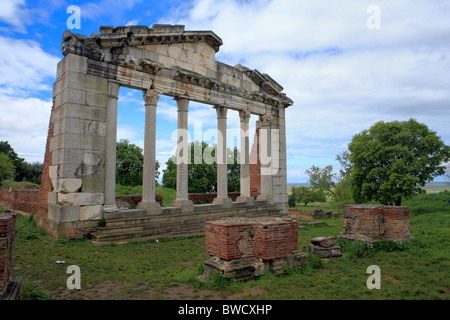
x=14 y=185
x=168 y=195
x=167 y=268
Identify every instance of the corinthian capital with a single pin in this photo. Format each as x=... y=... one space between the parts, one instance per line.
x=244 y=115
x=266 y=118
x=151 y=97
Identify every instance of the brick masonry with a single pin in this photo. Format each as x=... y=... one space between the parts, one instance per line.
x=255 y=166
x=7 y=237
x=371 y=223
x=265 y=238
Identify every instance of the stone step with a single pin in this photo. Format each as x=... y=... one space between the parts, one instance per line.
x=135 y=224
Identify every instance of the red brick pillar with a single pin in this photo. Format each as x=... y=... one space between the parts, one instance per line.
x=396 y=223
x=7 y=235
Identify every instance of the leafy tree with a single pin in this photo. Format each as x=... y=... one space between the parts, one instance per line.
x=202 y=169
x=6 y=168
x=305 y=195
x=6 y=148
x=31 y=172
x=393 y=160
x=130 y=164
x=322 y=179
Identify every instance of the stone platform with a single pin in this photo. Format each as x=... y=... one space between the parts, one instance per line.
x=137 y=225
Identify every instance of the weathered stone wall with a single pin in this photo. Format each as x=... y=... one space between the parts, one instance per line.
x=371 y=223
x=7 y=237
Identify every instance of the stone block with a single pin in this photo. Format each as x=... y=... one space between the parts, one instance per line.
x=326 y=252
x=81 y=198
x=324 y=242
x=68 y=185
x=90 y=212
x=66 y=213
x=93 y=185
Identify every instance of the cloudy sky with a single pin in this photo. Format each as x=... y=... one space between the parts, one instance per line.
x=346 y=65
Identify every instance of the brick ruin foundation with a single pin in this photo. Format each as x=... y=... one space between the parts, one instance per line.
x=9 y=289
x=243 y=248
x=369 y=223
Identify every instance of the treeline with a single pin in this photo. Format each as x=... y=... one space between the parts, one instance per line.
x=14 y=168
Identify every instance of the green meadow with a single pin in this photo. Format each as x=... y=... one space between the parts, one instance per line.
x=168 y=268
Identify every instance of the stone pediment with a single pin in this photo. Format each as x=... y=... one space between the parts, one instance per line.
x=170 y=53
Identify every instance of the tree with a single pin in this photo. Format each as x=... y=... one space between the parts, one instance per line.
x=6 y=148
x=31 y=172
x=322 y=179
x=130 y=164
x=6 y=168
x=305 y=195
x=394 y=160
x=202 y=169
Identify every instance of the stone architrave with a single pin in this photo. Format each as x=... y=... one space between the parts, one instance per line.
x=148 y=203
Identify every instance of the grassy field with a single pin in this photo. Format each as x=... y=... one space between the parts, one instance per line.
x=167 y=269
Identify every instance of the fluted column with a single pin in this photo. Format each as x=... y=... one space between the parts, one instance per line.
x=265 y=156
x=111 y=154
x=151 y=97
x=221 y=158
x=245 y=195
x=182 y=199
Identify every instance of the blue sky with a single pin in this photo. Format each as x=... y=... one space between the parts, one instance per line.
x=344 y=65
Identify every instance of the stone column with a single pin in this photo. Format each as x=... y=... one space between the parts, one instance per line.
x=111 y=139
x=182 y=199
x=265 y=156
x=221 y=158
x=151 y=97
x=245 y=195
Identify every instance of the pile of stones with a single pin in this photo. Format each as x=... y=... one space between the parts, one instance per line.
x=325 y=247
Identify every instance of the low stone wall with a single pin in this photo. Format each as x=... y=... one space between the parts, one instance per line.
x=24 y=200
x=370 y=223
x=209 y=197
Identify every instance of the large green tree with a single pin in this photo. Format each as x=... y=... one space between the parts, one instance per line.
x=394 y=160
x=130 y=164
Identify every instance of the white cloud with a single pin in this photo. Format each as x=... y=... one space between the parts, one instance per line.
x=341 y=76
x=24 y=124
x=12 y=12
x=25 y=67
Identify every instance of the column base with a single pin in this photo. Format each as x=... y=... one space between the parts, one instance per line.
x=186 y=205
x=249 y=201
x=110 y=208
x=224 y=202
x=150 y=207
x=265 y=197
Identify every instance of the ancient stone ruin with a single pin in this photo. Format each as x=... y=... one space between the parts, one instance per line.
x=243 y=248
x=78 y=185
x=325 y=247
x=369 y=223
x=10 y=289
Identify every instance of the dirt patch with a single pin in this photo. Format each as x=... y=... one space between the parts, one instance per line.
x=104 y=291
